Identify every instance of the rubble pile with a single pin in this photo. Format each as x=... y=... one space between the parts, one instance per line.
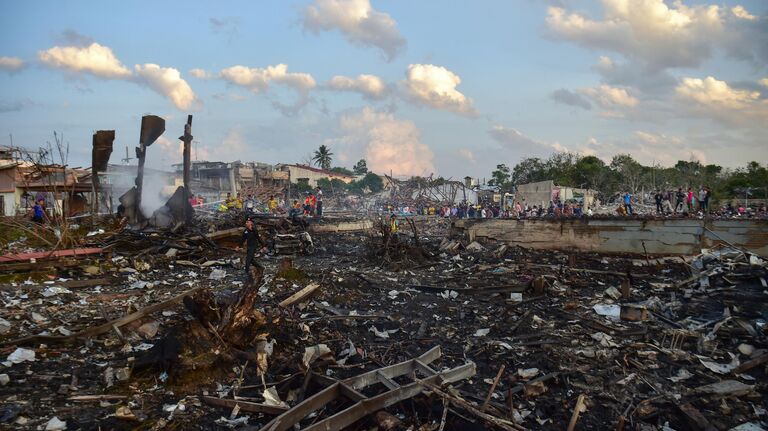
x=382 y=330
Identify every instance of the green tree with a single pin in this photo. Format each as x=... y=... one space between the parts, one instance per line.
x=592 y=173
x=370 y=182
x=529 y=170
x=361 y=167
x=500 y=177
x=630 y=171
x=323 y=157
x=342 y=170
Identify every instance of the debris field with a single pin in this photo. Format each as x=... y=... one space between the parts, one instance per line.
x=373 y=329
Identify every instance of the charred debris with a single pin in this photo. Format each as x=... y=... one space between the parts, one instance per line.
x=149 y=322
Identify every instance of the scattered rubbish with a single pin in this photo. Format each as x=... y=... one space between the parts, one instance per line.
x=311 y=354
x=613 y=293
x=718 y=367
x=55 y=424
x=217 y=274
x=633 y=313
x=20 y=355
x=271 y=398
x=611 y=311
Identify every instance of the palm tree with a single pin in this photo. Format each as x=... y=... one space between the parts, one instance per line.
x=322 y=157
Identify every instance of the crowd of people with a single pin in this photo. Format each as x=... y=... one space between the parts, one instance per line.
x=492 y=210
x=311 y=206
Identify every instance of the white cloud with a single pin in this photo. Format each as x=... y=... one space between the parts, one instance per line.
x=387 y=143
x=370 y=86
x=200 y=73
x=11 y=64
x=259 y=79
x=610 y=97
x=95 y=59
x=656 y=35
x=742 y=13
x=358 y=21
x=764 y=82
x=435 y=86
x=718 y=97
x=100 y=61
x=168 y=82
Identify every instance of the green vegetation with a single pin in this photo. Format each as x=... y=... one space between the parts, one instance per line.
x=625 y=173
x=323 y=157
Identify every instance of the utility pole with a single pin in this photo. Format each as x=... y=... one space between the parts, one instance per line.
x=187 y=139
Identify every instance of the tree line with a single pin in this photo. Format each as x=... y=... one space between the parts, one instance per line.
x=624 y=173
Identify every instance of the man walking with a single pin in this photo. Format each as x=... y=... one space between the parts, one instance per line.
x=251 y=239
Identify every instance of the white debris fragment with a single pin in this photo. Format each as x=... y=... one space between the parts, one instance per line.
x=527 y=373
x=746 y=349
x=53 y=291
x=604 y=339
x=271 y=398
x=382 y=334
x=55 y=424
x=611 y=311
x=449 y=294
x=482 y=332
x=682 y=374
x=217 y=274
x=311 y=354
x=613 y=293
x=21 y=355
x=717 y=367
x=4 y=379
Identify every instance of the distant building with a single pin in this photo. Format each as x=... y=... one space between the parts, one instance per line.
x=22 y=183
x=213 y=180
x=543 y=192
x=300 y=173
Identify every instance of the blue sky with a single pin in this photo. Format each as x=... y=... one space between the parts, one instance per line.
x=447 y=87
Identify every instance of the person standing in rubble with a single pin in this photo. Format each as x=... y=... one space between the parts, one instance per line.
x=272 y=204
x=251 y=239
x=658 y=198
x=680 y=200
x=319 y=201
x=628 y=202
x=250 y=204
x=38 y=212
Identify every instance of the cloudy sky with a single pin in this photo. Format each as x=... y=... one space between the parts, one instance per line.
x=415 y=87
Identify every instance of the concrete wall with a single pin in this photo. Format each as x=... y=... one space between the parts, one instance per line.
x=296 y=172
x=660 y=237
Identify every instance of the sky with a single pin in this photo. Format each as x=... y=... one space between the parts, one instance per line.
x=443 y=87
